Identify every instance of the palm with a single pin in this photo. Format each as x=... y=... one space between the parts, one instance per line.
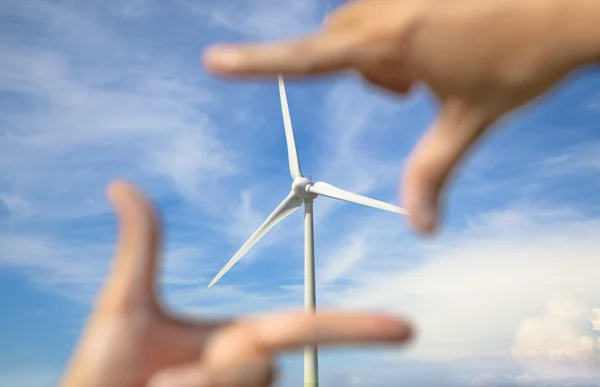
x=133 y=347
x=130 y=340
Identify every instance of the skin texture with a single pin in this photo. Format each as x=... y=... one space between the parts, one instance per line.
x=132 y=341
x=481 y=58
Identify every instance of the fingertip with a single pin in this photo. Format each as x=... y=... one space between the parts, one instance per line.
x=120 y=192
x=309 y=55
x=395 y=329
x=135 y=213
x=222 y=58
x=423 y=219
x=116 y=189
x=126 y=199
x=422 y=213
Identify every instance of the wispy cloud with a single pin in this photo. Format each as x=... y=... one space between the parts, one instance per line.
x=578 y=159
x=266 y=19
x=147 y=129
x=71 y=270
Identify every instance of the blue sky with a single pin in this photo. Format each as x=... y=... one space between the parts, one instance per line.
x=508 y=294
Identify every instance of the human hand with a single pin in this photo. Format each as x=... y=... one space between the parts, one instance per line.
x=132 y=341
x=482 y=58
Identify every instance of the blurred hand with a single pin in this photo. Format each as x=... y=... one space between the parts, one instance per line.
x=482 y=58
x=131 y=341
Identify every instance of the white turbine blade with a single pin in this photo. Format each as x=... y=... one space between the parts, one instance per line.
x=328 y=190
x=287 y=206
x=289 y=133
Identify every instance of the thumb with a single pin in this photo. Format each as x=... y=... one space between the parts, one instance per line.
x=132 y=279
x=436 y=156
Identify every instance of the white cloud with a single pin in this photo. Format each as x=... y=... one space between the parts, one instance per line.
x=596 y=319
x=469 y=292
x=566 y=332
x=103 y=105
x=485 y=379
x=563 y=342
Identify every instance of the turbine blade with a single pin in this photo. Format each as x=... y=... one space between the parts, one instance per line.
x=328 y=190
x=287 y=206
x=289 y=133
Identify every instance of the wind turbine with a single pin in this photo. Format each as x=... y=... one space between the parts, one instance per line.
x=303 y=191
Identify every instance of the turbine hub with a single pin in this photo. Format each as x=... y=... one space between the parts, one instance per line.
x=300 y=187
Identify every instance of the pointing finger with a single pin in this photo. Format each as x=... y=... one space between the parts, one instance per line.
x=263 y=336
x=309 y=55
x=131 y=282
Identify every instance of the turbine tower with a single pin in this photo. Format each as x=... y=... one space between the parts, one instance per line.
x=304 y=191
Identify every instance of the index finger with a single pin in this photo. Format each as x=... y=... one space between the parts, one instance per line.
x=265 y=335
x=316 y=54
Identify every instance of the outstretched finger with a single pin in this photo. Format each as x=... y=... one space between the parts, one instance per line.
x=315 y=54
x=132 y=279
x=435 y=158
x=264 y=336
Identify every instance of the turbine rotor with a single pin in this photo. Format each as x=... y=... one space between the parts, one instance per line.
x=301 y=187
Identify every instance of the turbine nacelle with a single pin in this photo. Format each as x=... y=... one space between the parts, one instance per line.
x=301 y=187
